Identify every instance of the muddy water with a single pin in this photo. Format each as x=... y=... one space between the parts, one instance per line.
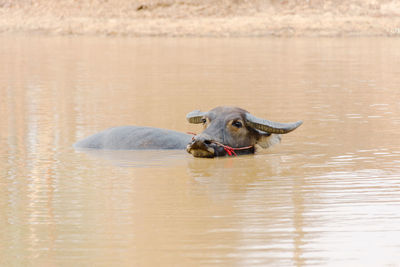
x=328 y=195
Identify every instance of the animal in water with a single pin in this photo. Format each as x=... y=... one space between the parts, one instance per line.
x=227 y=131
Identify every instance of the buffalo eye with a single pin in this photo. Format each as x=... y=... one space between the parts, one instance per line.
x=237 y=124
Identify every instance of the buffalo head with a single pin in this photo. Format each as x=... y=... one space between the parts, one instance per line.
x=233 y=127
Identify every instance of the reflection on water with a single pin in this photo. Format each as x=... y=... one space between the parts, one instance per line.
x=139 y=158
x=328 y=195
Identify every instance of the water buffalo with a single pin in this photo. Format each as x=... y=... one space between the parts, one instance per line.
x=227 y=131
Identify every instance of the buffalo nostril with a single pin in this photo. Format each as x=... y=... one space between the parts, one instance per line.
x=207 y=142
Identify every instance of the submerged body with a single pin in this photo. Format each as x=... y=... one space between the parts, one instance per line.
x=135 y=137
x=227 y=131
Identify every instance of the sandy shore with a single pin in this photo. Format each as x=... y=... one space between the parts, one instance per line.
x=218 y=18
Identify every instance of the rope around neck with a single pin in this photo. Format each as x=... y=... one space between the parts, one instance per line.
x=228 y=149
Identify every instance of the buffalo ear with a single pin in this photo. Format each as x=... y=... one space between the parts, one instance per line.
x=266 y=140
x=195 y=116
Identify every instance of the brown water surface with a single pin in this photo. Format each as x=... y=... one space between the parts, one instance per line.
x=329 y=195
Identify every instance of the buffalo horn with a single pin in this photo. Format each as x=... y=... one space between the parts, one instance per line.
x=195 y=116
x=270 y=126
